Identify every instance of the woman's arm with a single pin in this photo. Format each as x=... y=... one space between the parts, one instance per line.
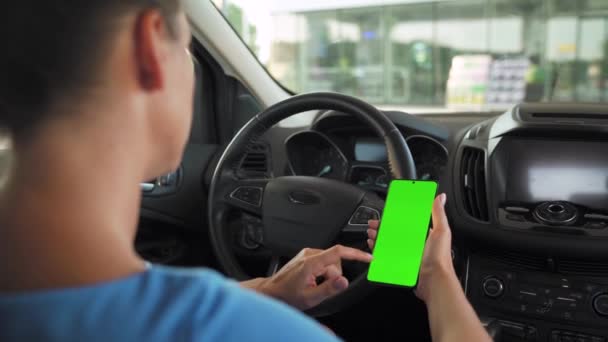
x=256 y=284
x=451 y=317
x=295 y=283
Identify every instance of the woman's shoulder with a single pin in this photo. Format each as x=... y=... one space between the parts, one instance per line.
x=162 y=303
x=225 y=310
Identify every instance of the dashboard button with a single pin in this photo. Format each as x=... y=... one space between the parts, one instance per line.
x=568 y=315
x=517 y=218
x=556 y=213
x=600 y=304
x=569 y=304
x=531 y=333
x=598 y=217
x=493 y=287
x=530 y=298
x=518 y=210
x=544 y=310
x=595 y=225
x=147 y=187
x=512 y=305
x=591 y=288
x=169 y=179
x=569 y=294
x=513 y=329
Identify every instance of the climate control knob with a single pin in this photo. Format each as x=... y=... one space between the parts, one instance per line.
x=493 y=287
x=600 y=304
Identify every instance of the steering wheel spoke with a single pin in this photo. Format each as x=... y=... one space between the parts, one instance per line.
x=273 y=266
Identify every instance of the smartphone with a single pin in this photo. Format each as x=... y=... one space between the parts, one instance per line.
x=402 y=234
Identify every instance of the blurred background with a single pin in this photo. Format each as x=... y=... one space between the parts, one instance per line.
x=431 y=55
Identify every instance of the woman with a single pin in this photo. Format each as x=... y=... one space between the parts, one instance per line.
x=96 y=95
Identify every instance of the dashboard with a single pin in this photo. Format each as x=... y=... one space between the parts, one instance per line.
x=527 y=201
x=528 y=194
x=356 y=156
x=535 y=178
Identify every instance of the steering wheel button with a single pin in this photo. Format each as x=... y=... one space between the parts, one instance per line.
x=363 y=215
x=373 y=215
x=254 y=233
x=250 y=195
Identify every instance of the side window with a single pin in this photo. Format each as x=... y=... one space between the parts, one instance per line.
x=222 y=102
x=5 y=146
x=201 y=131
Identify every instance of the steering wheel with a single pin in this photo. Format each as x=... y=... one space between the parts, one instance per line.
x=296 y=212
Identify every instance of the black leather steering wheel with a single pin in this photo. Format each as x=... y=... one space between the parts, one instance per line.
x=299 y=212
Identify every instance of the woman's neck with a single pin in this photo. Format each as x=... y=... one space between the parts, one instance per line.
x=69 y=212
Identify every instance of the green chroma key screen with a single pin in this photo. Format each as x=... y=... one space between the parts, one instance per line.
x=402 y=234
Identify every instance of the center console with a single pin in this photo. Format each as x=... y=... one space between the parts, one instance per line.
x=534 y=305
x=528 y=194
x=552 y=185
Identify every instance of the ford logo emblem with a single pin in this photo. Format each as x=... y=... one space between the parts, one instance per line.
x=304 y=198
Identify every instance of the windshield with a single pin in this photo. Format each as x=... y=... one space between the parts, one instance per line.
x=451 y=54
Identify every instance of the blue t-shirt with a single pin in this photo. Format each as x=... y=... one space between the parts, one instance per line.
x=161 y=304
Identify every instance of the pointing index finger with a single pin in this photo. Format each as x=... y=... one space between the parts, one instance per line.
x=337 y=253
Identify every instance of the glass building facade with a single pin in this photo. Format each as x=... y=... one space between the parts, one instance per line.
x=405 y=53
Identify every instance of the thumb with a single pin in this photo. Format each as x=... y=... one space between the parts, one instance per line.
x=440 y=220
x=328 y=288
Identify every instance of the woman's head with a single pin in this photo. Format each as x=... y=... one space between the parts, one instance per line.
x=119 y=60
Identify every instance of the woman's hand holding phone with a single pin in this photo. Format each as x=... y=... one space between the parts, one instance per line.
x=451 y=317
x=437 y=257
x=437 y=263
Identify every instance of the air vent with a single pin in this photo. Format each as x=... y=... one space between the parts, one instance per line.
x=473 y=180
x=586 y=268
x=515 y=260
x=581 y=116
x=476 y=131
x=592 y=117
x=255 y=164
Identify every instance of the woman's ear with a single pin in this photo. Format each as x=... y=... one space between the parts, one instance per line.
x=151 y=49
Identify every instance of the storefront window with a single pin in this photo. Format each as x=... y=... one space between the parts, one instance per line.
x=361 y=64
x=412 y=55
x=320 y=51
x=469 y=54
